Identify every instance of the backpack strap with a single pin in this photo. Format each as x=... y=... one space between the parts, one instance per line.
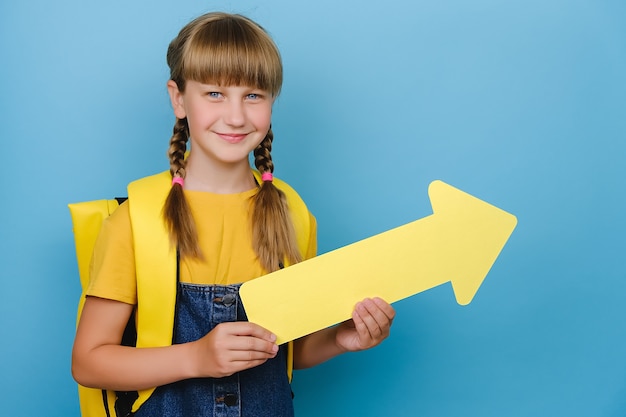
x=155 y=263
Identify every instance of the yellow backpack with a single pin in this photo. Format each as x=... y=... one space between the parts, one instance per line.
x=156 y=271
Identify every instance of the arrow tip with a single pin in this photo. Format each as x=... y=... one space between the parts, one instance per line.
x=478 y=231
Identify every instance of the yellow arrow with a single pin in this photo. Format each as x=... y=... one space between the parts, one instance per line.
x=459 y=242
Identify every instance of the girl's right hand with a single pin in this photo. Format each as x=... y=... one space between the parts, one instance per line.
x=232 y=347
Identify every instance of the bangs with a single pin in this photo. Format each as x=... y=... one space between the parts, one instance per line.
x=233 y=52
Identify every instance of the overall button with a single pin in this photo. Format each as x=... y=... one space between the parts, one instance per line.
x=229 y=299
x=230 y=399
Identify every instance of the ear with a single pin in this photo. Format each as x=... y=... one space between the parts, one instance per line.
x=176 y=98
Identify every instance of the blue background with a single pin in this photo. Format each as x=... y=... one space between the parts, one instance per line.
x=520 y=103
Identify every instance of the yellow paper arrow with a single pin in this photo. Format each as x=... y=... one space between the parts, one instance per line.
x=459 y=242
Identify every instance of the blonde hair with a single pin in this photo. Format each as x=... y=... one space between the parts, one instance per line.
x=229 y=49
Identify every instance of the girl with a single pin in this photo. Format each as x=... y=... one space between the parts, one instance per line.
x=226 y=224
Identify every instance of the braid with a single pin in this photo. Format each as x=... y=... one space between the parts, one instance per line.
x=178 y=146
x=176 y=211
x=262 y=154
x=273 y=235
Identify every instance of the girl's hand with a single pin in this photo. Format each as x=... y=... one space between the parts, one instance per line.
x=370 y=325
x=232 y=347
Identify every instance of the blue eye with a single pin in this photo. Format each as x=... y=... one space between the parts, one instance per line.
x=253 y=96
x=214 y=94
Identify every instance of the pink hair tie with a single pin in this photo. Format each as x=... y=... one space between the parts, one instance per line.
x=267 y=176
x=178 y=180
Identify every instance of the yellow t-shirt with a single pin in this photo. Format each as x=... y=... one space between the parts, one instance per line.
x=224 y=235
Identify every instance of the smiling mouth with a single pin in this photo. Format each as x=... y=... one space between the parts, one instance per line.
x=232 y=137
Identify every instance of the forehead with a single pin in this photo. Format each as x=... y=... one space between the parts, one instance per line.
x=208 y=85
x=251 y=76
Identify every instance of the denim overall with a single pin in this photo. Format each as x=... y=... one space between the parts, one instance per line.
x=263 y=391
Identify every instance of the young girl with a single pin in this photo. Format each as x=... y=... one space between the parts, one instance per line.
x=224 y=224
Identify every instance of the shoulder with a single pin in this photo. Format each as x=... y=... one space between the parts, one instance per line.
x=112 y=267
x=119 y=218
x=115 y=231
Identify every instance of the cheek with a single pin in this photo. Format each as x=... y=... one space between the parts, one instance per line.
x=201 y=116
x=262 y=118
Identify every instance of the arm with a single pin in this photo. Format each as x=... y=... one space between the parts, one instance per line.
x=370 y=325
x=98 y=359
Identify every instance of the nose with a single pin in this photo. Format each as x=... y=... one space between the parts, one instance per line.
x=234 y=114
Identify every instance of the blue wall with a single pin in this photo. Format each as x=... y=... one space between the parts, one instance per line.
x=520 y=103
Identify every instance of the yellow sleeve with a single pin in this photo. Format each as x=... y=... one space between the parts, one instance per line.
x=112 y=268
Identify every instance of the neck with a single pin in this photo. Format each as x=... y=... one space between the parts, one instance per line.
x=218 y=178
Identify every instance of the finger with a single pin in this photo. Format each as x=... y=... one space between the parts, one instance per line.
x=233 y=336
x=375 y=314
x=365 y=325
x=380 y=311
x=245 y=328
x=249 y=352
x=237 y=355
x=253 y=344
x=389 y=311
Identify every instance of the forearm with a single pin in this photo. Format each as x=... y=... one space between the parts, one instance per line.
x=99 y=361
x=122 y=368
x=316 y=348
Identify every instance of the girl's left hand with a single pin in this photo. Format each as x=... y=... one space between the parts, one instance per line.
x=370 y=325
